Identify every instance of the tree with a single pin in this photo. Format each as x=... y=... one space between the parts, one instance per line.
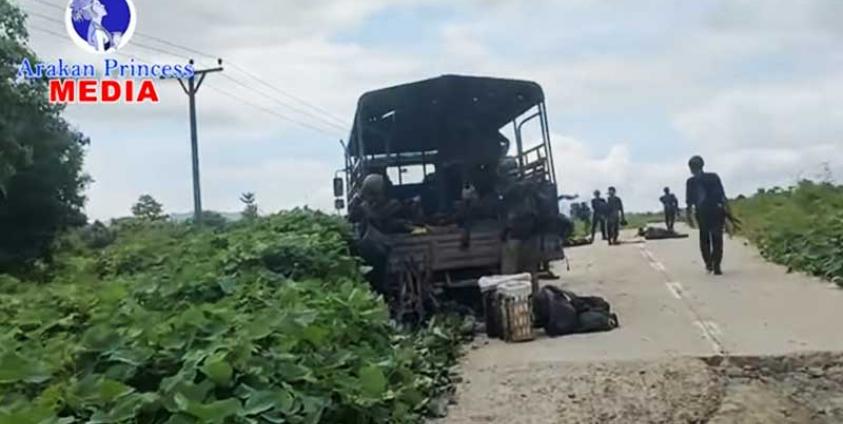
x=97 y=235
x=250 y=210
x=41 y=178
x=149 y=209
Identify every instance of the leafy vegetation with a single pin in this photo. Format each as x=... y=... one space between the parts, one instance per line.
x=265 y=321
x=211 y=219
x=800 y=227
x=41 y=179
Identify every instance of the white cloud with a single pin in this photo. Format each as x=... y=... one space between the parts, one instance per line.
x=754 y=86
x=774 y=115
x=581 y=170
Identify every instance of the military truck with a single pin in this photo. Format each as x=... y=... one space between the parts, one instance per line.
x=446 y=148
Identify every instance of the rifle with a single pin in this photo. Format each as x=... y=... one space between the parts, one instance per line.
x=733 y=223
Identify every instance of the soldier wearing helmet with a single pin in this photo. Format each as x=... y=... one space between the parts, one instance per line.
x=705 y=196
x=671 y=207
x=374 y=207
x=600 y=209
x=373 y=187
x=615 y=216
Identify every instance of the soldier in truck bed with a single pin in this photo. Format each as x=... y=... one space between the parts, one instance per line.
x=373 y=207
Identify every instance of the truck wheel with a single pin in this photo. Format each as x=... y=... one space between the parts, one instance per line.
x=413 y=293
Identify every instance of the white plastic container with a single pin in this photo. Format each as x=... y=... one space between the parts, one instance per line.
x=491 y=282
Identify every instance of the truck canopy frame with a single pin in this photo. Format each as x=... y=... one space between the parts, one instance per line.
x=448 y=119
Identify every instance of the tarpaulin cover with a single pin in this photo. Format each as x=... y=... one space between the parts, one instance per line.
x=451 y=114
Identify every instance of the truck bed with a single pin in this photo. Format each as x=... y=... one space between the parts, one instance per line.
x=442 y=249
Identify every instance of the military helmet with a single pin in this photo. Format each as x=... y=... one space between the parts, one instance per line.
x=373 y=186
x=507 y=165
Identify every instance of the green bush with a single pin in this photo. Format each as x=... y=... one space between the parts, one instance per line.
x=800 y=227
x=268 y=321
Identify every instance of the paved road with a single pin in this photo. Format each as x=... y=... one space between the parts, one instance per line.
x=669 y=306
x=672 y=313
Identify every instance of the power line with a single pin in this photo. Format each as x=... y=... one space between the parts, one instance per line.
x=48 y=31
x=286 y=94
x=46 y=3
x=43 y=16
x=135 y=44
x=219 y=90
x=293 y=108
x=151 y=37
x=64 y=37
x=334 y=126
x=196 y=195
x=269 y=111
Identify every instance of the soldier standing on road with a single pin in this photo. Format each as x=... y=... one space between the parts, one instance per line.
x=671 y=207
x=705 y=195
x=599 y=208
x=615 y=216
x=521 y=250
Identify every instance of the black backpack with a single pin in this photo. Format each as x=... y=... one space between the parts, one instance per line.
x=594 y=313
x=562 y=312
x=555 y=312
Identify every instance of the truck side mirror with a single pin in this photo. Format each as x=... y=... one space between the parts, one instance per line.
x=339 y=187
x=339 y=204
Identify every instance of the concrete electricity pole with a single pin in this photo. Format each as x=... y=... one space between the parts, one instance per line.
x=191 y=89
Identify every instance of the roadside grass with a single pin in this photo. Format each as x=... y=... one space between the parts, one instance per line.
x=261 y=321
x=800 y=227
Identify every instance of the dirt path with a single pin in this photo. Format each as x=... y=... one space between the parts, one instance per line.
x=791 y=389
x=687 y=351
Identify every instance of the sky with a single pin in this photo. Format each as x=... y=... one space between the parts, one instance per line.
x=633 y=89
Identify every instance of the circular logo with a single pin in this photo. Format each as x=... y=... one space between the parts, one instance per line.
x=100 y=26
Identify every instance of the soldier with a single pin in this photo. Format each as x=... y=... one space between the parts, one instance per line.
x=615 y=216
x=585 y=214
x=671 y=207
x=704 y=195
x=521 y=249
x=599 y=208
x=373 y=207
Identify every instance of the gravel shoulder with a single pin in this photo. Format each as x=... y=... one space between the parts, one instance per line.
x=758 y=345
x=793 y=389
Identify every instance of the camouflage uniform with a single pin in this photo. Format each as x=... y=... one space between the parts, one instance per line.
x=521 y=247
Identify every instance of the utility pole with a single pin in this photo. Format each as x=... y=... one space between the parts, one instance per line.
x=191 y=89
